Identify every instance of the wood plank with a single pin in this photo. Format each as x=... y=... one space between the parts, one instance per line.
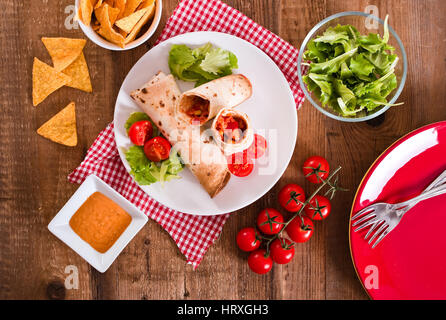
x=33 y=170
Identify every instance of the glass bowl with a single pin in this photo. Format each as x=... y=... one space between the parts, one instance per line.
x=358 y=20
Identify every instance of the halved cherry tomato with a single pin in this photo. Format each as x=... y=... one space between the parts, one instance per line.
x=240 y=165
x=316 y=169
x=290 y=197
x=248 y=239
x=270 y=221
x=257 y=148
x=157 y=149
x=282 y=251
x=259 y=262
x=140 y=132
x=318 y=208
x=298 y=231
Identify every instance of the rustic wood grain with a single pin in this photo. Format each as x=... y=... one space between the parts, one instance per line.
x=33 y=170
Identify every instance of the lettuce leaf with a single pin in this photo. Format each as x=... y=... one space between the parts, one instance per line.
x=147 y=172
x=352 y=74
x=201 y=64
x=139 y=116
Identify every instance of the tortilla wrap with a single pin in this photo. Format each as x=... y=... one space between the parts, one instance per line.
x=226 y=92
x=225 y=143
x=203 y=158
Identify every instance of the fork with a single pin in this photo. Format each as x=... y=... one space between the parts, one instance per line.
x=387 y=216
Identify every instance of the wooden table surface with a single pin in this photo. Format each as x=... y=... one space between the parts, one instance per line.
x=33 y=170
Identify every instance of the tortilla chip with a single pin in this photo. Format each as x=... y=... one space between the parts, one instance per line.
x=145 y=18
x=106 y=30
x=46 y=80
x=130 y=7
x=113 y=14
x=120 y=4
x=63 y=51
x=61 y=128
x=78 y=72
x=85 y=10
x=98 y=4
x=128 y=23
x=145 y=4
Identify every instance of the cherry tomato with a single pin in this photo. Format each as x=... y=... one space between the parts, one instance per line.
x=318 y=208
x=298 y=231
x=270 y=221
x=259 y=262
x=240 y=165
x=258 y=147
x=315 y=169
x=248 y=239
x=282 y=251
x=157 y=149
x=140 y=132
x=290 y=197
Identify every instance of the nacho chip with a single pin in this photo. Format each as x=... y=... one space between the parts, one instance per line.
x=106 y=30
x=63 y=51
x=46 y=80
x=113 y=14
x=61 y=128
x=128 y=23
x=98 y=4
x=130 y=7
x=146 y=4
x=145 y=18
x=120 y=4
x=85 y=11
x=78 y=72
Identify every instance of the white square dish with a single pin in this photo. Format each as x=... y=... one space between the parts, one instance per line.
x=60 y=227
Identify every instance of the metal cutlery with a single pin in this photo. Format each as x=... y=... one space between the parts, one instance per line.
x=384 y=217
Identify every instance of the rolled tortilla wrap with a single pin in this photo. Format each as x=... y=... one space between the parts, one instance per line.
x=204 y=102
x=232 y=131
x=203 y=158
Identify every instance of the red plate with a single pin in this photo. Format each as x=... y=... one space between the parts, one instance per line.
x=410 y=263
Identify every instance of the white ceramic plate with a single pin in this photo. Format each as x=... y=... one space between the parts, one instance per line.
x=60 y=227
x=271 y=109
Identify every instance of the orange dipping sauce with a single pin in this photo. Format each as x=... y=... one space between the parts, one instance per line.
x=100 y=222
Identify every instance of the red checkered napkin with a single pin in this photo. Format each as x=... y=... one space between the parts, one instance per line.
x=192 y=234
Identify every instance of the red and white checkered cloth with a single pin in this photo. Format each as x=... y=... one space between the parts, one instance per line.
x=192 y=234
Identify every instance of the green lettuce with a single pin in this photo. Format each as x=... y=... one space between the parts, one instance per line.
x=139 y=116
x=351 y=73
x=147 y=172
x=202 y=64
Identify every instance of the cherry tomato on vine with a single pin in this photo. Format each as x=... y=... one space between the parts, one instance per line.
x=140 y=132
x=240 y=164
x=316 y=169
x=282 y=251
x=248 y=239
x=259 y=262
x=257 y=148
x=157 y=149
x=300 y=231
x=270 y=221
x=318 y=208
x=290 y=197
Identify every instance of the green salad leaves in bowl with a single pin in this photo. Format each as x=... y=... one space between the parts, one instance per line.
x=351 y=72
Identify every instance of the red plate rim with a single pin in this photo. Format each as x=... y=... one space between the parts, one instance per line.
x=367 y=174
